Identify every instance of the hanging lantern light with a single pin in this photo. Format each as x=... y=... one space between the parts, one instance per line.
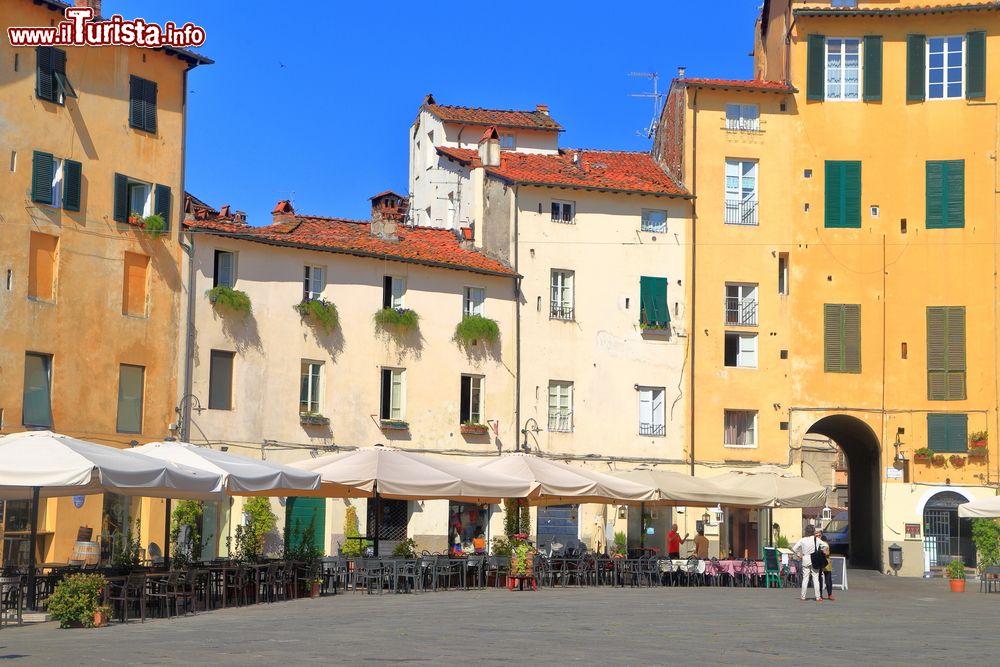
x=827 y=514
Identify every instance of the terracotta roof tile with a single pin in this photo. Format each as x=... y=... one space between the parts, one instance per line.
x=615 y=171
x=530 y=120
x=897 y=11
x=419 y=245
x=741 y=84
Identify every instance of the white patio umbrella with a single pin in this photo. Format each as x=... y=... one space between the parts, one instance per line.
x=37 y=464
x=986 y=508
x=556 y=482
x=674 y=488
x=770 y=486
x=384 y=472
x=238 y=475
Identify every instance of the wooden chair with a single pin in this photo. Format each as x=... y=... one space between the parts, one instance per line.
x=131 y=591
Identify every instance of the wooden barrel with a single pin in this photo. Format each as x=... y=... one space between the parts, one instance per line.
x=88 y=552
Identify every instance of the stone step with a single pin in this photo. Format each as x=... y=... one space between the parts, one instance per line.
x=37 y=617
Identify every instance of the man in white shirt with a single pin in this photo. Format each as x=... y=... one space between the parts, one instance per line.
x=805 y=549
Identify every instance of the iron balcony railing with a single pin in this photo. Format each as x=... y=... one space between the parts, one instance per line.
x=561 y=421
x=741 y=212
x=741 y=312
x=651 y=429
x=743 y=125
x=560 y=312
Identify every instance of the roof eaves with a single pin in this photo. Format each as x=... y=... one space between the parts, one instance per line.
x=593 y=188
x=555 y=127
x=788 y=90
x=356 y=253
x=901 y=11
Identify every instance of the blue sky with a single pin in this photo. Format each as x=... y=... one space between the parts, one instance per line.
x=313 y=101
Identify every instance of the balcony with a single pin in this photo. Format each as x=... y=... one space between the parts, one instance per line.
x=743 y=125
x=656 y=430
x=560 y=312
x=561 y=421
x=741 y=212
x=741 y=312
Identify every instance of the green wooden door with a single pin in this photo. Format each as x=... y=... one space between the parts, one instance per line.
x=303 y=516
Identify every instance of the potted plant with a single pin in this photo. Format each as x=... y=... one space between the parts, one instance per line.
x=957 y=460
x=394 y=425
x=522 y=557
x=313 y=419
x=474 y=328
x=938 y=460
x=102 y=615
x=978 y=439
x=154 y=224
x=134 y=218
x=655 y=327
x=978 y=451
x=620 y=549
x=474 y=428
x=405 y=548
x=227 y=298
x=923 y=455
x=76 y=601
x=320 y=312
x=396 y=320
x=956 y=575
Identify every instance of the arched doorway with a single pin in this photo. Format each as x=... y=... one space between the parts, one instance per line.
x=946 y=536
x=861 y=448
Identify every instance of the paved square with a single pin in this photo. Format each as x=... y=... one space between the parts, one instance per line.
x=880 y=621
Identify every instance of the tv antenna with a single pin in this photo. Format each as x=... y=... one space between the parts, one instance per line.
x=657 y=98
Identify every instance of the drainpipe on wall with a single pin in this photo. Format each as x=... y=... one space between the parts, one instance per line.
x=694 y=273
x=185 y=425
x=517 y=326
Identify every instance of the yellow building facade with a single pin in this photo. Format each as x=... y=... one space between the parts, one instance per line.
x=844 y=260
x=89 y=304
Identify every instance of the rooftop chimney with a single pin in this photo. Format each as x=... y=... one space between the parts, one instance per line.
x=224 y=211
x=542 y=108
x=283 y=212
x=681 y=71
x=93 y=4
x=489 y=148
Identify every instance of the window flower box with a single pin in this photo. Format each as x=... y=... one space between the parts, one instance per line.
x=978 y=439
x=313 y=419
x=957 y=460
x=655 y=328
x=923 y=455
x=227 y=298
x=938 y=460
x=394 y=425
x=396 y=320
x=978 y=451
x=470 y=428
x=475 y=328
x=320 y=312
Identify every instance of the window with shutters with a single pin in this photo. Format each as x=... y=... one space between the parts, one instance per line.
x=948 y=432
x=563 y=211
x=136 y=200
x=51 y=82
x=393 y=289
x=225 y=269
x=130 y=390
x=945 y=194
x=843 y=69
x=842 y=338
x=741 y=192
x=651 y=411
x=946 y=353
x=134 y=285
x=473 y=301
x=560 y=406
x=393 y=394
x=220 y=380
x=37 y=399
x=55 y=181
x=309 y=387
x=142 y=104
x=471 y=398
x=740 y=428
x=139 y=198
x=843 y=194
x=945 y=67
x=562 y=295
x=654 y=312
x=43 y=255
x=740 y=350
x=313 y=283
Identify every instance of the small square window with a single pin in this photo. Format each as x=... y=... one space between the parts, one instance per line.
x=740 y=350
x=654 y=220
x=473 y=301
x=563 y=211
x=740 y=428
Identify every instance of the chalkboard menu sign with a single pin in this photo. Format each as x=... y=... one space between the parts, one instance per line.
x=839 y=565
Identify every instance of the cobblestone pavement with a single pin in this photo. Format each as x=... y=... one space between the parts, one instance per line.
x=880 y=621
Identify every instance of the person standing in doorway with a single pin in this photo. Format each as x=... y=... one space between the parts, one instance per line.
x=674 y=542
x=827 y=576
x=806 y=548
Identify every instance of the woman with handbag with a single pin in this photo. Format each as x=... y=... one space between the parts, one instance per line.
x=827 y=575
x=814 y=559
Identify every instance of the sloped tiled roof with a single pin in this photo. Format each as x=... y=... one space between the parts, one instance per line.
x=609 y=171
x=741 y=84
x=897 y=11
x=529 y=120
x=418 y=245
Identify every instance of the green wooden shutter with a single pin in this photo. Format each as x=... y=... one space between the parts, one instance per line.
x=955 y=353
x=121 y=198
x=937 y=432
x=149 y=97
x=851 y=344
x=72 y=184
x=136 y=103
x=954 y=193
x=816 y=68
x=834 y=203
x=937 y=367
x=975 y=65
x=653 y=301
x=852 y=193
x=42 y=167
x=948 y=432
x=873 y=68
x=161 y=203
x=45 y=85
x=935 y=194
x=302 y=516
x=916 y=67
x=833 y=339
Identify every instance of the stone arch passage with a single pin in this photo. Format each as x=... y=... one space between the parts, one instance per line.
x=861 y=449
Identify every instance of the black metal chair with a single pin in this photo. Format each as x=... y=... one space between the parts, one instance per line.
x=11 y=600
